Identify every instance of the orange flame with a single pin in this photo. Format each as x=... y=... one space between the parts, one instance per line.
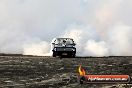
x=81 y=71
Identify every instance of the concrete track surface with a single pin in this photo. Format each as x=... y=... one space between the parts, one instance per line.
x=18 y=71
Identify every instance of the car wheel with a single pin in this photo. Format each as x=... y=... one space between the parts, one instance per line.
x=54 y=54
x=73 y=55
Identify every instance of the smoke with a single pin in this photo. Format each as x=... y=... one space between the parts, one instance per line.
x=121 y=40
x=39 y=48
x=88 y=41
x=96 y=48
x=99 y=27
x=117 y=41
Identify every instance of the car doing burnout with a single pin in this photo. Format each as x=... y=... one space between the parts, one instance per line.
x=63 y=47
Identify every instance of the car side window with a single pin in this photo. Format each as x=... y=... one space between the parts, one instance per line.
x=57 y=41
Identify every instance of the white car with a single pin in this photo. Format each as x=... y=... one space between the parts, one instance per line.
x=63 y=47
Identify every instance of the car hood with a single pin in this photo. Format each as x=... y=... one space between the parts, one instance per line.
x=62 y=45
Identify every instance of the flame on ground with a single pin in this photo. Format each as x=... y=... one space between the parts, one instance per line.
x=81 y=71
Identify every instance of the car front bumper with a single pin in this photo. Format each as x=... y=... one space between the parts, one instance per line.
x=64 y=50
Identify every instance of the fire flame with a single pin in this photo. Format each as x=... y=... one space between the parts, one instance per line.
x=81 y=71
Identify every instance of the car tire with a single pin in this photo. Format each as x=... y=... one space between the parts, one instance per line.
x=54 y=54
x=73 y=55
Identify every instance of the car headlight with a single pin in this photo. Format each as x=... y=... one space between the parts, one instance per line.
x=55 y=49
x=73 y=49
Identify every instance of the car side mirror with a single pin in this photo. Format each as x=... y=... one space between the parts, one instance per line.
x=53 y=43
x=74 y=44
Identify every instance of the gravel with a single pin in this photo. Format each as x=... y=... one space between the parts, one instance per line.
x=48 y=72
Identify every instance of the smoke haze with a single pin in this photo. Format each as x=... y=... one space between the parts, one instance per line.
x=99 y=27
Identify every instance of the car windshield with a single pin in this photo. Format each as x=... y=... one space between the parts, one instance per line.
x=66 y=41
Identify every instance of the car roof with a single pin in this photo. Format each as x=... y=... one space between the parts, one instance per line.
x=63 y=38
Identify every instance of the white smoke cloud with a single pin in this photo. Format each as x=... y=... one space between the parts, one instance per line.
x=40 y=48
x=120 y=40
x=117 y=41
x=76 y=34
x=28 y=26
x=87 y=42
x=94 y=48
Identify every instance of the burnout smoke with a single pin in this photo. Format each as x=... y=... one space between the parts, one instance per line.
x=39 y=48
x=99 y=27
x=87 y=41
